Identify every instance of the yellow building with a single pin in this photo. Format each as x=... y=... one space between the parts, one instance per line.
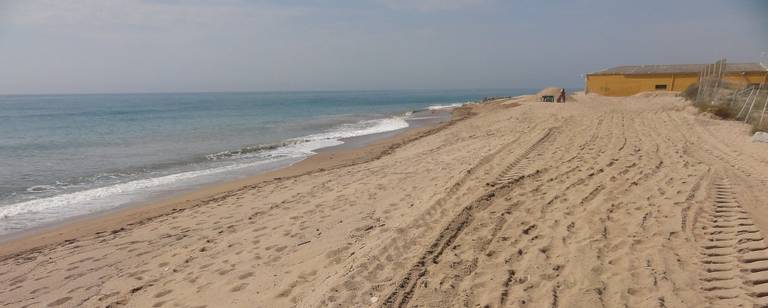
x=629 y=80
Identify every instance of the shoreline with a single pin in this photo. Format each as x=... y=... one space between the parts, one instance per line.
x=93 y=171
x=359 y=150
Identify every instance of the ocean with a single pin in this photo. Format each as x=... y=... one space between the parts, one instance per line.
x=63 y=156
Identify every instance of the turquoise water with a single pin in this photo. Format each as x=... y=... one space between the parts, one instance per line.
x=69 y=155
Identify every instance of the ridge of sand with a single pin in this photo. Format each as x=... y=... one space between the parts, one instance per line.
x=634 y=201
x=553 y=91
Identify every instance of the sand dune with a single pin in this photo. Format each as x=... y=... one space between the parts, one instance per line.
x=602 y=202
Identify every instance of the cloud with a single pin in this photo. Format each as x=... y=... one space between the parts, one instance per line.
x=432 y=5
x=94 y=13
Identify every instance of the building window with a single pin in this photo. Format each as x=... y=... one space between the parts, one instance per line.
x=661 y=87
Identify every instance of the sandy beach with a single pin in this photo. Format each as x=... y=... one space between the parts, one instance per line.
x=600 y=202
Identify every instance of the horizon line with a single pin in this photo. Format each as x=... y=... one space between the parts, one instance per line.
x=266 y=91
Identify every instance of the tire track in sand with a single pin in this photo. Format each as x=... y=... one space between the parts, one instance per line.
x=380 y=268
x=403 y=291
x=734 y=255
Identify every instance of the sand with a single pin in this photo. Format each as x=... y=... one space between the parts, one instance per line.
x=614 y=202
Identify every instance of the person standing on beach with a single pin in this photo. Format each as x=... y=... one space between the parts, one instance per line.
x=561 y=98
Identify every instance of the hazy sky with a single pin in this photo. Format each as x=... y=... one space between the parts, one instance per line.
x=74 y=46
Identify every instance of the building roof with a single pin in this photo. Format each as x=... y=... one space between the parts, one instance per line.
x=678 y=69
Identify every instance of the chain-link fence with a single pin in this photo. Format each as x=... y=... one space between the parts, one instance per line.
x=731 y=100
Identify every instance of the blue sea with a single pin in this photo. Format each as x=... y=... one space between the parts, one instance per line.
x=69 y=155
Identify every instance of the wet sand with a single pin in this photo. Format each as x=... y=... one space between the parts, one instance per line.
x=636 y=202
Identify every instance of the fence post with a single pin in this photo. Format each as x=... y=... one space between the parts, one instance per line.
x=746 y=117
x=707 y=82
x=745 y=104
x=754 y=100
x=704 y=82
x=760 y=124
x=700 y=86
x=721 y=69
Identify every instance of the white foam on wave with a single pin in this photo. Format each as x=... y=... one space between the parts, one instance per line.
x=303 y=146
x=95 y=199
x=45 y=210
x=449 y=106
x=41 y=188
x=361 y=128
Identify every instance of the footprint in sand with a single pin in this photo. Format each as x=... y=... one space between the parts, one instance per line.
x=245 y=275
x=239 y=287
x=59 y=301
x=163 y=293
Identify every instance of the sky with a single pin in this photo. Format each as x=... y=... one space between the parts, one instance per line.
x=126 y=46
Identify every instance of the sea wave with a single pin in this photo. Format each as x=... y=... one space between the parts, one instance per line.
x=248 y=150
x=94 y=199
x=41 y=188
x=306 y=145
x=449 y=106
x=361 y=128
